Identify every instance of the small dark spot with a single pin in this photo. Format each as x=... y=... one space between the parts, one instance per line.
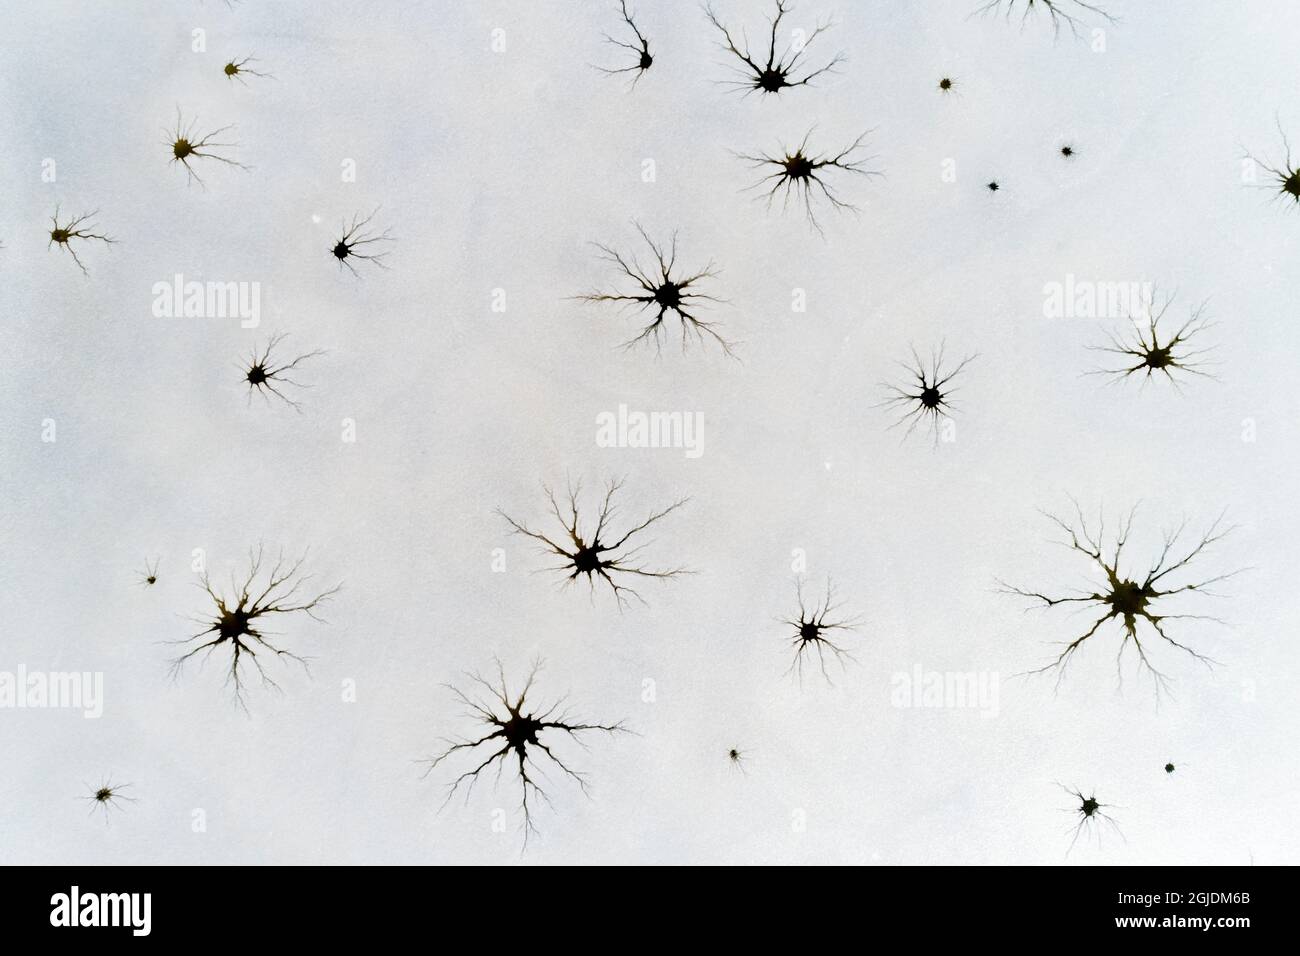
x=109 y=795
x=993 y=186
x=149 y=576
x=238 y=69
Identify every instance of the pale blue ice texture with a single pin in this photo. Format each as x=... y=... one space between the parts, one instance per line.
x=496 y=170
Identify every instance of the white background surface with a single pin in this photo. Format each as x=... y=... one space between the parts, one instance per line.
x=497 y=170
